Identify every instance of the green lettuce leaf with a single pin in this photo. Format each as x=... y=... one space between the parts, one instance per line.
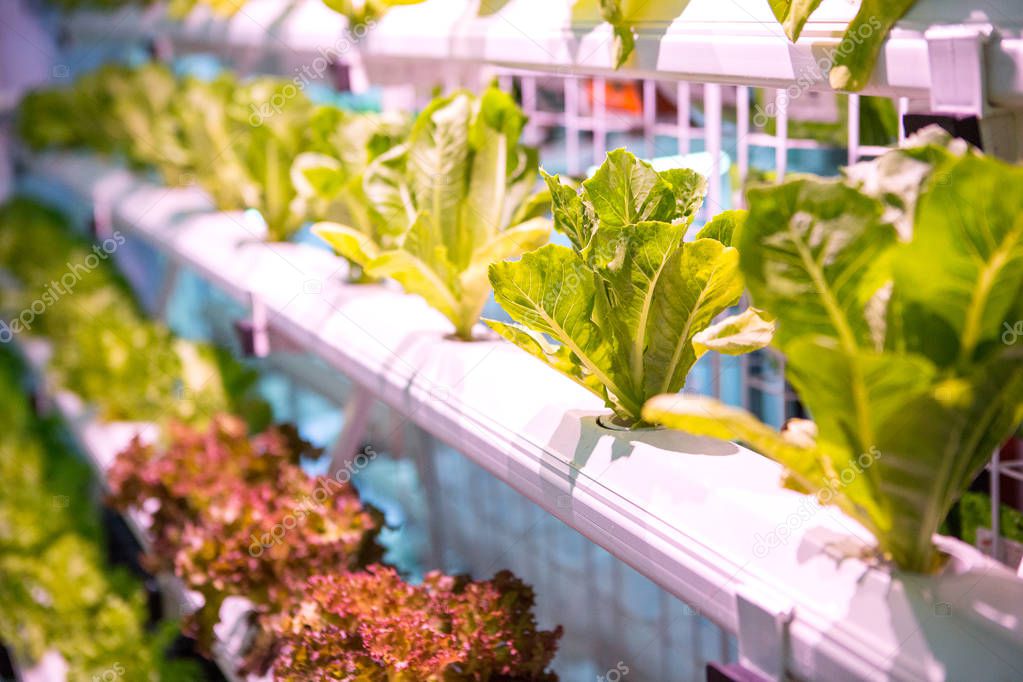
x=202 y=109
x=623 y=40
x=723 y=226
x=268 y=118
x=793 y=15
x=329 y=178
x=736 y=334
x=866 y=32
x=552 y=291
x=362 y=12
x=625 y=301
x=896 y=179
x=907 y=374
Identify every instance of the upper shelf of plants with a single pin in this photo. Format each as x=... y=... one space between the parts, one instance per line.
x=753 y=42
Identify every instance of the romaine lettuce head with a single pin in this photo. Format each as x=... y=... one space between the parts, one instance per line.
x=902 y=347
x=454 y=197
x=629 y=302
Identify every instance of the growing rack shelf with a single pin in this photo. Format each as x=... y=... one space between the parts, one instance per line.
x=702 y=518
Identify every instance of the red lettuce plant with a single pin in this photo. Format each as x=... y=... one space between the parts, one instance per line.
x=376 y=627
x=236 y=515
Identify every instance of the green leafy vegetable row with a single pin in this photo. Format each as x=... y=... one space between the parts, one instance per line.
x=238 y=140
x=431 y=205
x=905 y=374
x=436 y=205
x=57 y=592
x=105 y=350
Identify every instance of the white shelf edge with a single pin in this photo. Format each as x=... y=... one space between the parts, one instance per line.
x=683 y=511
x=738 y=44
x=50 y=667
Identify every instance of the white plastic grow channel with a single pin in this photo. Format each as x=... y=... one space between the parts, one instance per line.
x=50 y=666
x=100 y=442
x=305 y=28
x=735 y=42
x=697 y=516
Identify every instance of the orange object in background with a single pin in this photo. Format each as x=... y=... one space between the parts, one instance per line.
x=619 y=96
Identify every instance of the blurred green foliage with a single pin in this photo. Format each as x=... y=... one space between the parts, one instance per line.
x=57 y=592
x=104 y=348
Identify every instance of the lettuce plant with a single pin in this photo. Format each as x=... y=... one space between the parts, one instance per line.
x=894 y=339
x=455 y=197
x=243 y=138
x=201 y=109
x=67 y=599
x=628 y=302
x=114 y=109
x=43 y=119
x=135 y=369
x=36 y=249
x=236 y=515
x=80 y=114
x=140 y=101
x=328 y=178
x=374 y=626
x=268 y=119
x=104 y=350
